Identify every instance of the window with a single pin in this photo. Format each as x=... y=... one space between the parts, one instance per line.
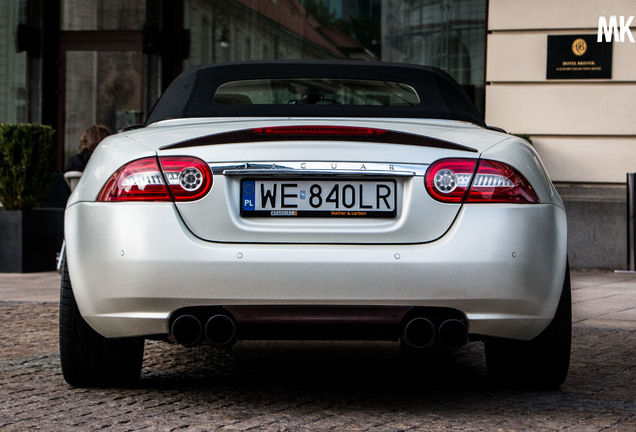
x=450 y=35
x=13 y=66
x=293 y=91
x=103 y=15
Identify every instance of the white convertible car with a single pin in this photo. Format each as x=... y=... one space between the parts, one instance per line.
x=314 y=200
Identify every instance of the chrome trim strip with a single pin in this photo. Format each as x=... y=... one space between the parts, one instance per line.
x=296 y=172
x=289 y=169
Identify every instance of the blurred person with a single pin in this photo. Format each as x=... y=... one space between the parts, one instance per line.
x=88 y=142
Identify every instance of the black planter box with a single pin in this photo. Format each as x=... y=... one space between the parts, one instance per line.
x=30 y=239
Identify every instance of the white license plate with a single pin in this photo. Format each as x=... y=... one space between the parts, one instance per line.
x=318 y=198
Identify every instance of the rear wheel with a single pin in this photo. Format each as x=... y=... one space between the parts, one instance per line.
x=89 y=359
x=541 y=363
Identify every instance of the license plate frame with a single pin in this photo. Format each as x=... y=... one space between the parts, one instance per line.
x=339 y=198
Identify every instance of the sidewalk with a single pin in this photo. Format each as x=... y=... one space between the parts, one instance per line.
x=601 y=299
x=604 y=299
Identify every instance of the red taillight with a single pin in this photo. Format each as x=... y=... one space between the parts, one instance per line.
x=319 y=130
x=140 y=180
x=498 y=182
x=188 y=179
x=457 y=180
x=448 y=180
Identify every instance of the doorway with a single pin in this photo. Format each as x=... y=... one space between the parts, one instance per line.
x=101 y=87
x=102 y=69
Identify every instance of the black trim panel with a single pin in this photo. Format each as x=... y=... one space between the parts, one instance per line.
x=389 y=137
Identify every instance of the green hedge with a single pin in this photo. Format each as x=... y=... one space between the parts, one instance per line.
x=525 y=137
x=27 y=159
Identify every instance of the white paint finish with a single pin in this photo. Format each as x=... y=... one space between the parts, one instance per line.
x=472 y=269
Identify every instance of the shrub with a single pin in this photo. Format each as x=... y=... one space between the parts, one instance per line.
x=26 y=162
x=525 y=137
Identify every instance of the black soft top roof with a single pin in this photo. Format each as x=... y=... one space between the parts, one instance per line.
x=191 y=94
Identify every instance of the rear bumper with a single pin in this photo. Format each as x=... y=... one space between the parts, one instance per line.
x=133 y=264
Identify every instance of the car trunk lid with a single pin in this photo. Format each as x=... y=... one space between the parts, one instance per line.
x=374 y=184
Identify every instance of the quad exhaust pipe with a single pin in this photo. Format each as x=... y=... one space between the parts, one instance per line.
x=189 y=331
x=220 y=330
x=452 y=333
x=420 y=333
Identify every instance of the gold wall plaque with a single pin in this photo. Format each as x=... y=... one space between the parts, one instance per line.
x=579 y=46
x=578 y=56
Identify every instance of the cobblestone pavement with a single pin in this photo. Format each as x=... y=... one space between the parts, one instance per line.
x=204 y=389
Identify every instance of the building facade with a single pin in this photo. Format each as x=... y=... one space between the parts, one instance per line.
x=74 y=63
x=583 y=126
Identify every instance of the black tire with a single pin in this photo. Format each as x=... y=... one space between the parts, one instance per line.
x=541 y=363
x=89 y=359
